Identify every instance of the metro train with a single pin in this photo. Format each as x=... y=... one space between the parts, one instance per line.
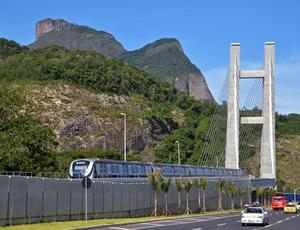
x=96 y=168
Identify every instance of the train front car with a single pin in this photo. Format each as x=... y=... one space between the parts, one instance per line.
x=81 y=168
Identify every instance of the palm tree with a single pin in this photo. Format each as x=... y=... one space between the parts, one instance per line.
x=259 y=194
x=197 y=184
x=231 y=190
x=164 y=184
x=220 y=187
x=241 y=191
x=249 y=191
x=179 y=187
x=203 y=186
x=187 y=185
x=154 y=179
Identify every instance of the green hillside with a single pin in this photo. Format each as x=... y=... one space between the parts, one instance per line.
x=48 y=77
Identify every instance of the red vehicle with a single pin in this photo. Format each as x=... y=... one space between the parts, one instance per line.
x=278 y=202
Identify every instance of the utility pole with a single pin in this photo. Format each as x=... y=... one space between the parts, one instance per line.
x=125 y=147
x=178 y=151
x=217 y=161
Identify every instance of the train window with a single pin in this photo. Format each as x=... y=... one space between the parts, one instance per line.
x=187 y=171
x=199 y=171
x=98 y=170
x=143 y=169
x=131 y=169
x=124 y=169
x=112 y=168
x=117 y=169
x=207 y=172
x=148 y=168
x=192 y=171
x=136 y=169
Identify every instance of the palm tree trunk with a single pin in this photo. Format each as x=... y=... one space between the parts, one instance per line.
x=203 y=201
x=220 y=208
x=155 y=203
x=187 y=203
x=241 y=201
x=179 y=202
x=199 y=200
x=166 y=204
x=232 y=205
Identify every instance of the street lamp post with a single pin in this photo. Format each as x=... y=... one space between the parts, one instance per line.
x=125 y=153
x=217 y=161
x=178 y=151
x=295 y=193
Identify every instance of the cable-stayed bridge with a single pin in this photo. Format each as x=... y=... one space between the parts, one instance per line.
x=244 y=136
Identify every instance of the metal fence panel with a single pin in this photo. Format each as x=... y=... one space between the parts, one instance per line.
x=35 y=199
x=76 y=199
x=50 y=210
x=4 y=181
x=18 y=200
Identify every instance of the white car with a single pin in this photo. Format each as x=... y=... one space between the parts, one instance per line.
x=255 y=215
x=298 y=205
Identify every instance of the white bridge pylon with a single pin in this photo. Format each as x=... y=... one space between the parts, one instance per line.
x=267 y=156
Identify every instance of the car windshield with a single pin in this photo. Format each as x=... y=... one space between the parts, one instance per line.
x=290 y=205
x=278 y=198
x=253 y=210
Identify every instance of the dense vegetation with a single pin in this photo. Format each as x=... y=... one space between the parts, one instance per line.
x=104 y=74
x=287 y=124
x=168 y=62
x=8 y=48
x=25 y=143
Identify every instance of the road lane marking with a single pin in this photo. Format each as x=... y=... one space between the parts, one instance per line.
x=238 y=221
x=218 y=225
x=197 y=229
x=154 y=224
x=118 y=228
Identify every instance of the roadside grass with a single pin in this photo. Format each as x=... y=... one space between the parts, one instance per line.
x=102 y=222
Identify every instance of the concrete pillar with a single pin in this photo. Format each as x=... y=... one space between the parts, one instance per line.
x=232 y=133
x=267 y=160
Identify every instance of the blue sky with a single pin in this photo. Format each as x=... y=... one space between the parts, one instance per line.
x=204 y=27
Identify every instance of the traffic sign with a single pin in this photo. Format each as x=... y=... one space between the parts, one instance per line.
x=86 y=182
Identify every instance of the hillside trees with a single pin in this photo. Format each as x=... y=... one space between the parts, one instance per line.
x=25 y=143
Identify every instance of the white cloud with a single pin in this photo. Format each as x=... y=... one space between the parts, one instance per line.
x=287 y=83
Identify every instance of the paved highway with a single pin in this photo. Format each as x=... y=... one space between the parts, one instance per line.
x=277 y=220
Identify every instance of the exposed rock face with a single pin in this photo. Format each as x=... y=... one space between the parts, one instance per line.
x=164 y=58
x=72 y=36
x=85 y=120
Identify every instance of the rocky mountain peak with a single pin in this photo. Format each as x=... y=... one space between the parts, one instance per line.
x=72 y=36
x=161 y=45
x=164 y=58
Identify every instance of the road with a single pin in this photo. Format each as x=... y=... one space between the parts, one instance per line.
x=277 y=220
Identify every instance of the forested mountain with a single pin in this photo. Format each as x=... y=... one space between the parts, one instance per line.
x=74 y=99
x=164 y=59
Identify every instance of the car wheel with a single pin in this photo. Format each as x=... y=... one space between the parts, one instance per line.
x=243 y=224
